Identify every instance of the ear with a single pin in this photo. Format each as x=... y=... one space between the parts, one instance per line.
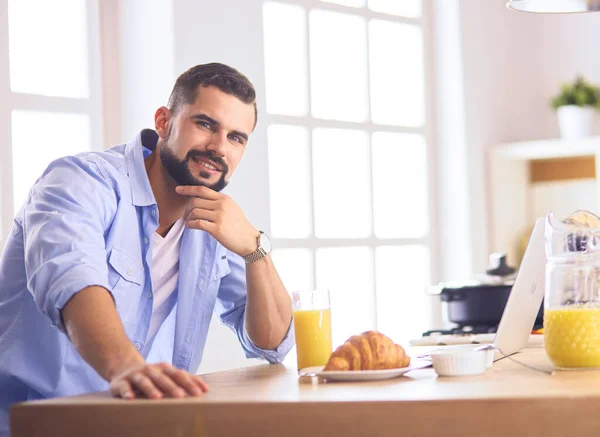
x=162 y=121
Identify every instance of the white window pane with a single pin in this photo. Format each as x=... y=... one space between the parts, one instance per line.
x=402 y=275
x=290 y=181
x=38 y=138
x=295 y=268
x=397 y=77
x=48 y=47
x=348 y=273
x=404 y=8
x=341 y=183
x=400 y=200
x=351 y=3
x=286 y=56
x=338 y=66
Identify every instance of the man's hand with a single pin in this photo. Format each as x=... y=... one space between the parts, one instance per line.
x=221 y=217
x=156 y=381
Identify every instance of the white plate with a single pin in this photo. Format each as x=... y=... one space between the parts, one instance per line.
x=362 y=375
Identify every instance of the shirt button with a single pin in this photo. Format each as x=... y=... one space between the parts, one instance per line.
x=149 y=295
x=130 y=271
x=145 y=240
x=153 y=212
x=137 y=346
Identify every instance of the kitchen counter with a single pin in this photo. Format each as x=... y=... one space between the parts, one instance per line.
x=271 y=400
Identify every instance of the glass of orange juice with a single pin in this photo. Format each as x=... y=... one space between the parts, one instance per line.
x=312 y=326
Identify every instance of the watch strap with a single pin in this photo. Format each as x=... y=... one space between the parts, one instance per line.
x=258 y=253
x=255 y=256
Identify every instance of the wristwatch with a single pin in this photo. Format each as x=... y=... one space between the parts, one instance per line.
x=264 y=248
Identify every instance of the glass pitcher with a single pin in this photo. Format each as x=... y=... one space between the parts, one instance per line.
x=572 y=301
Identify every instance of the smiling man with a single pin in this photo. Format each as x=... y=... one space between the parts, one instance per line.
x=118 y=259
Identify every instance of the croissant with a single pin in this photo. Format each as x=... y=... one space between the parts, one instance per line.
x=370 y=350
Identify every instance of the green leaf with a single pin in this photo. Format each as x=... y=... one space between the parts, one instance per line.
x=579 y=93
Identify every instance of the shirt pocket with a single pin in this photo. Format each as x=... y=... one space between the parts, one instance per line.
x=220 y=268
x=125 y=276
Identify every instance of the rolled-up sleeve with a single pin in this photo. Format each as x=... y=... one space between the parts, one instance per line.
x=231 y=304
x=64 y=220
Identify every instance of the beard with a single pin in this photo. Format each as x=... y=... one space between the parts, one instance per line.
x=180 y=171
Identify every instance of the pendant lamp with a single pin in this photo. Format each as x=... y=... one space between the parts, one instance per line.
x=555 y=6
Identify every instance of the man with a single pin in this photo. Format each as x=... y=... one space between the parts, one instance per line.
x=117 y=259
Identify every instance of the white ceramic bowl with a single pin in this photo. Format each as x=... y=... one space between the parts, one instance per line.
x=461 y=361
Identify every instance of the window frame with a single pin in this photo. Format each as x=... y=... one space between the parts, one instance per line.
x=9 y=101
x=430 y=241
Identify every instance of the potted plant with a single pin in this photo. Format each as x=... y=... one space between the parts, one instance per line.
x=577 y=107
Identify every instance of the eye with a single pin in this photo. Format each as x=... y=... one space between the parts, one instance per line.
x=236 y=138
x=206 y=125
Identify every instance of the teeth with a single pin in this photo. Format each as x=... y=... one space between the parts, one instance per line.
x=205 y=164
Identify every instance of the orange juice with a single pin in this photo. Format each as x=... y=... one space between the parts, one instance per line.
x=572 y=336
x=313 y=337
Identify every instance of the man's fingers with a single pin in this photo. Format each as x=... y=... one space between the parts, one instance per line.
x=145 y=385
x=202 y=225
x=210 y=205
x=122 y=389
x=155 y=380
x=200 y=383
x=164 y=383
x=202 y=214
x=197 y=191
x=184 y=380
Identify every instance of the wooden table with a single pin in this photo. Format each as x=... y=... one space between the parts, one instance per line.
x=271 y=400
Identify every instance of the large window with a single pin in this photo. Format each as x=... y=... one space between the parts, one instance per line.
x=349 y=158
x=49 y=91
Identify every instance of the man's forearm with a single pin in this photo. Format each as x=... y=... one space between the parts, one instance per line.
x=268 y=307
x=93 y=325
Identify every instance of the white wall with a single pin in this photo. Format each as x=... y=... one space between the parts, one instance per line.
x=511 y=65
x=500 y=64
x=450 y=141
x=147 y=67
x=567 y=47
x=483 y=69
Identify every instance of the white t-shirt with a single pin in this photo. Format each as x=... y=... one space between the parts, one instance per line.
x=164 y=274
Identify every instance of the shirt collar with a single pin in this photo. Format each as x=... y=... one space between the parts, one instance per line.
x=136 y=150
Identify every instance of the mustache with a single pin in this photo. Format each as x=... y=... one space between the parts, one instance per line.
x=209 y=156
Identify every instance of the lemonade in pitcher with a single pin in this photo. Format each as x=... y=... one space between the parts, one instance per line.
x=572 y=336
x=572 y=301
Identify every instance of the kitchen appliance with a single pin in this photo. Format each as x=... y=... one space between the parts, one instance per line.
x=476 y=305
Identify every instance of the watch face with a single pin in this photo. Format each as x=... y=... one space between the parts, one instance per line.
x=265 y=242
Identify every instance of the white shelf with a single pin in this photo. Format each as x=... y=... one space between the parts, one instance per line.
x=548 y=149
x=513 y=199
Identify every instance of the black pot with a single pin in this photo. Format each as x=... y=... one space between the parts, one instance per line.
x=478 y=305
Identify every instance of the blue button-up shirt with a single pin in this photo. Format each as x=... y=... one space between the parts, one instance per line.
x=88 y=221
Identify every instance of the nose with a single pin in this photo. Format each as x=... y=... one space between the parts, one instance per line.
x=217 y=143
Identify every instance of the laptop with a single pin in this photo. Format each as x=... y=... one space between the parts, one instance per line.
x=523 y=304
x=525 y=297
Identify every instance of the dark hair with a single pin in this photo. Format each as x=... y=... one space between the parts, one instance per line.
x=222 y=76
